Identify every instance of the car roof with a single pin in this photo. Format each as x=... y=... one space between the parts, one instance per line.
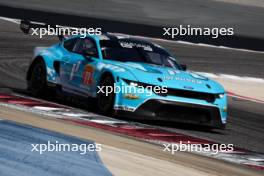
x=116 y=37
x=123 y=37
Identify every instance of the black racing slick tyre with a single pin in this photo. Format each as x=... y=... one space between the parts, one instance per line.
x=105 y=100
x=37 y=82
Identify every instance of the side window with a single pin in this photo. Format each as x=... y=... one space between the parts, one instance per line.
x=86 y=46
x=69 y=44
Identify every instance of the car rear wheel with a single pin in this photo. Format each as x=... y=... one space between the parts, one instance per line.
x=37 y=82
x=105 y=100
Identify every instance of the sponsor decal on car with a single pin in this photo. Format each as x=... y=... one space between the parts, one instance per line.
x=124 y=108
x=88 y=75
x=138 y=45
x=131 y=96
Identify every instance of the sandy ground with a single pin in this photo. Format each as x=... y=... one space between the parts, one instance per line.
x=250 y=89
x=257 y=3
x=126 y=156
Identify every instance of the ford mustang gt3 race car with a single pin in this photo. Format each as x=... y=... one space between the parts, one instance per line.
x=108 y=67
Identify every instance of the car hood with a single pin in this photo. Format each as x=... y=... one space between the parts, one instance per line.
x=169 y=77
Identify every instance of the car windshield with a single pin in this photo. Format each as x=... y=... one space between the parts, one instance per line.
x=138 y=53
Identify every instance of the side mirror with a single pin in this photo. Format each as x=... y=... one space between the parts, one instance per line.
x=183 y=67
x=25 y=26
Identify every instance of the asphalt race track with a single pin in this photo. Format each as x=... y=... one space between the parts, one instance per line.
x=139 y=19
x=217 y=60
x=245 y=125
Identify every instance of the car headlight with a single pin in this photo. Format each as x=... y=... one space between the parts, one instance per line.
x=139 y=84
x=131 y=83
x=221 y=95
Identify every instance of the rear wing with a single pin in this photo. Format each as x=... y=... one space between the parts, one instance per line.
x=26 y=27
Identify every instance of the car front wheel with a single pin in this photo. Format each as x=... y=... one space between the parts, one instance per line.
x=105 y=100
x=37 y=82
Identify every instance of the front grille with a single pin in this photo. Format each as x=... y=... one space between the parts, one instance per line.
x=191 y=94
x=180 y=112
x=184 y=113
x=209 y=97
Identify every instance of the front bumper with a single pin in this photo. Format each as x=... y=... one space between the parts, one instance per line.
x=155 y=109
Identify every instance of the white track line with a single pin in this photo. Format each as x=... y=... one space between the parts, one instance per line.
x=106 y=121
x=246 y=98
x=16 y=21
x=233 y=77
x=44 y=108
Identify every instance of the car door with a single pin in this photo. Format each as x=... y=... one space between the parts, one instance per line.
x=82 y=67
x=68 y=65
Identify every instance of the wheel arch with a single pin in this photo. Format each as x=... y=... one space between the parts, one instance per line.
x=100 y=78
x=35 y=60
x=49 y=62
x=105 y=74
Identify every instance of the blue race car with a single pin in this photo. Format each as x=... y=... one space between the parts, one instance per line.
x=130 y=77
